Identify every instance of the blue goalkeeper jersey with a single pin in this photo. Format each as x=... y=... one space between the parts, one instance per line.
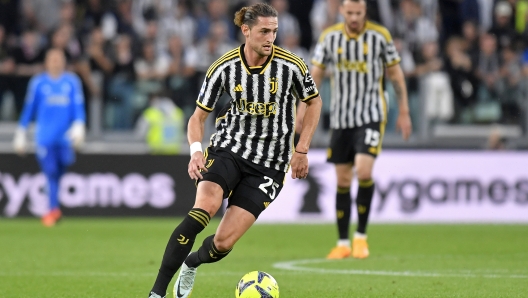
x=54 y=104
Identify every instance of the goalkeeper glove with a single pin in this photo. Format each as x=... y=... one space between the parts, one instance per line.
x=20 y=141
x=76 y=133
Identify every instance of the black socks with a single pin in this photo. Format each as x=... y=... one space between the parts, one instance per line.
x=343 y=207
x=363 y=201
x=179 y=246
x=207 y=253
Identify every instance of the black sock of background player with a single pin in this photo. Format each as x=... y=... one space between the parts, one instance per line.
x=343 y=213
x=179 y=246
x=364 y=198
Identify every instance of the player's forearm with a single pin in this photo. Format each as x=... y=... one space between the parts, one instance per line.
x=398 y=81
x=80 y=114
x=30 y=103
x=317 y=74
x=27 y=114
x=301 y=109
x=79 y=106
x=24 y=119
x=310 y=122
x=78 y=101
x=195 y=128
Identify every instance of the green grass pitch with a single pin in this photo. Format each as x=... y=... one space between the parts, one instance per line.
x=93 y=257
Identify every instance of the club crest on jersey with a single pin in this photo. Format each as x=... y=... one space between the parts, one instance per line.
x=273 y=85
x=257 y=108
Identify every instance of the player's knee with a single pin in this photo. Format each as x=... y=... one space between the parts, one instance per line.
x=209 y=197
x=344 y=178
x=344 y=181
x=223 y=243
x=364 y=174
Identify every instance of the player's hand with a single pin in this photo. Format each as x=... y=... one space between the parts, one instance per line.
x=20 y=141
x=403 y=124
x=77 y=134
x=299 y=165
x=196 y=165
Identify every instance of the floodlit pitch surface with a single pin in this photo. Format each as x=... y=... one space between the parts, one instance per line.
x=120 y=258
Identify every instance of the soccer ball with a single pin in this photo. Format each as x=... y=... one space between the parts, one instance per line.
x=257 y=284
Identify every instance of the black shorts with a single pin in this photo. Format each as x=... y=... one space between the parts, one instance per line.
x=346 y=143
x=247 y=185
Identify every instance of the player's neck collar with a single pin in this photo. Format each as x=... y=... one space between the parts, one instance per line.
x=54 y=77
x=352 y=35
x=254 y=69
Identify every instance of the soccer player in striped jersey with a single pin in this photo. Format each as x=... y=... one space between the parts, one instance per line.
x=252 y=148
x=359 y=52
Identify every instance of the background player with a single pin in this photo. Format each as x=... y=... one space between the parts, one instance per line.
x=359 y=51
x=56 y=102
x=252 y=148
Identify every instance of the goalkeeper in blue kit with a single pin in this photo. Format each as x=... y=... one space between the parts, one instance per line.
x=55 y=101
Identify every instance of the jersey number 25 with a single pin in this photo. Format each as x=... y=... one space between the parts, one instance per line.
x=269 y=187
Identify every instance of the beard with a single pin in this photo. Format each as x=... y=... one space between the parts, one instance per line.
x=260 y=50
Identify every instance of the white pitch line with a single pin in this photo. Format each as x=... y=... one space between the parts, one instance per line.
x=298 y=266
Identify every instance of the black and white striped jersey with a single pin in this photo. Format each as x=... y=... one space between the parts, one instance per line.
x=358 y=62
x=258 y=124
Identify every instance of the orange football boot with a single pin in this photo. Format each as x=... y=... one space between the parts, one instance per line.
x=52 y=217
x=360 y=248
x=339 y=252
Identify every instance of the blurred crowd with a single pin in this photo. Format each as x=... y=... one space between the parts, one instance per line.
x=466 y=61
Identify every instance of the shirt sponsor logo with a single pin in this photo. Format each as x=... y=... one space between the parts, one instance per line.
x=257 y=108
x=346 y=65
x=59 y=100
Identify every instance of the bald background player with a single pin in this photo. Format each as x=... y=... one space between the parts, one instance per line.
x=360 y=53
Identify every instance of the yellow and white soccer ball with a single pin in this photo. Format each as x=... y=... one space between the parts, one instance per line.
x=257 y=284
